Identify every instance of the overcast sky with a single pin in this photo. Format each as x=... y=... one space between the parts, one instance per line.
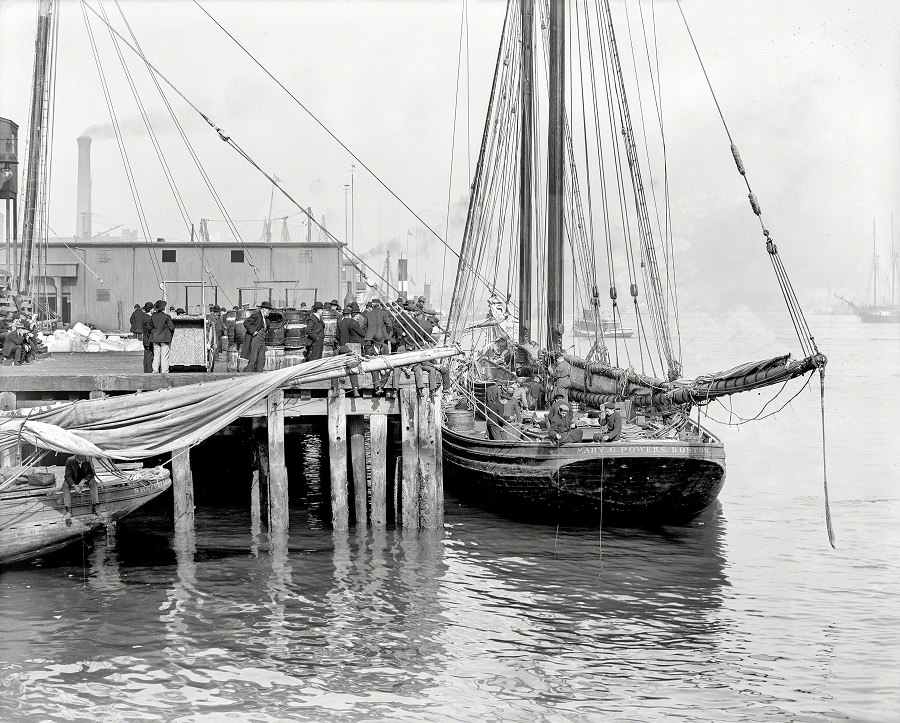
x=809 y=90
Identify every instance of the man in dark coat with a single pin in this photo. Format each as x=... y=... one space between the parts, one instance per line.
x=146 y=329
x=350 y=337
x=253 y=348
x=612 y=429
x=560 y=424
x=80 y=470
x=137 y=322
x=161 y=329
x=219 y=324
x=315 y=333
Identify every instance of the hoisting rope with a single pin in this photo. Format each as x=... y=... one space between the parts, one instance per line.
x=339 y=142
x=828 y=525
x=804 y=334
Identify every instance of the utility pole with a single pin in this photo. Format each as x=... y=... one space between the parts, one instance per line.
x=352 y=209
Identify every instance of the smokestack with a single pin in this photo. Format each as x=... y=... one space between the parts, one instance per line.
x=83 y=217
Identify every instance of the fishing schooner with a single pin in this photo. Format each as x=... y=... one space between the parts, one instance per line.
x=531 y=243
x=878 y=312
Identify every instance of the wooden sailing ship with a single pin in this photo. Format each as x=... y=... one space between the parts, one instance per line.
x=880 y=311
x=664 y=467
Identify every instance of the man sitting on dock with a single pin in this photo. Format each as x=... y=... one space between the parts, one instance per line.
x=79 y=470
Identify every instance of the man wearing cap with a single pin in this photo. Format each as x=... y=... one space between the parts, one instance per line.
x=161 y=329
x=611 y=426
x=253 y=347
x=315 y=333
x=560 y=424
x=146 y=330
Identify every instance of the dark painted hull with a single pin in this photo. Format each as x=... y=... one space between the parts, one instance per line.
x=34 y=522
x=635 y=483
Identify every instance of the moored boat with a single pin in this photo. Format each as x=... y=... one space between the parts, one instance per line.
x=34 y=520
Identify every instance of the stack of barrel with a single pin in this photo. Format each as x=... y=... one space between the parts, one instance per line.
x=285 y=336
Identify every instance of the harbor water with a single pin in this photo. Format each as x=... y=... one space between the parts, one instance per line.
x=746 y=614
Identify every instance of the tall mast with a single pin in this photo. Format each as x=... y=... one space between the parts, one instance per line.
x=874 y=267
x=35 y=141
x=555 y=185
x=526 y=91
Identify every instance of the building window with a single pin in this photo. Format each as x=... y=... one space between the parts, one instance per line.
x=237 y=257
x=102 y=294
x=168 y=255
x=304 y=257
x=103 y=256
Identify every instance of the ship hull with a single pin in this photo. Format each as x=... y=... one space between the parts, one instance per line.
x=647 y=482
x=34 y=522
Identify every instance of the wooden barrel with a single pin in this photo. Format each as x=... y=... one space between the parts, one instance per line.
x=231 y=360
x=239 y=330
x=462 y=420
x=481 y=397
x=275 y=328
x=274 y=358
x=330 y=319
x=293 y=357
x=229 y=325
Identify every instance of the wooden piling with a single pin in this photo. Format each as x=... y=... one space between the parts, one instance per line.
x=430 y=505
x=378 y=446
x=337 y=455
x=278 y=481
x=356 y=430
x=8 y=404
x=409 y=426
x=183 y=490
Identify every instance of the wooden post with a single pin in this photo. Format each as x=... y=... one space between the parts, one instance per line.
x=409 y=426
x=436 y=403
x=183 y=490
x=278 y=481
x=337 y=455
x=428 y=503
x=8 y=404
x=356 y=429
x=378 y=446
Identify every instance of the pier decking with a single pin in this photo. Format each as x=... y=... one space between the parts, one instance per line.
x=75 y=376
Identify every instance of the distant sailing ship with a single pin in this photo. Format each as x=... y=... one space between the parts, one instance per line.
x=878 y=313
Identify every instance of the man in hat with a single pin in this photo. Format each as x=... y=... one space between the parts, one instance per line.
x=253 y=347
x=14 y=343
x=350 y=337
x=217 y=319
x=146 y=330
x=315 y=332
x=610 y=425
x=559 y=422
x=161 y=330
x=80 y=470
x=136 y=320
x=335 y=306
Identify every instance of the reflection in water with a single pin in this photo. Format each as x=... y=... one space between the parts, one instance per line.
x=103 y=563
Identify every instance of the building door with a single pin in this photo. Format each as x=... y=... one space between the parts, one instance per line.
x=66 y=308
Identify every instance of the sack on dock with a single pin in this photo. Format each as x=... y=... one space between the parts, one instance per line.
x=96 y=335
x=59 y=344
x=81 y=329
x=134 y=345
x=92 y=346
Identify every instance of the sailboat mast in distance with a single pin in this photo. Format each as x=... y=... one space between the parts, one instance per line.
x=555 y=185
x=526 y=95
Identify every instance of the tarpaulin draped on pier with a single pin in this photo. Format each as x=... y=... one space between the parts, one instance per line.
x=135 y=426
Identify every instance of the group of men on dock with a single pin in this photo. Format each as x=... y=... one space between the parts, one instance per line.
x=154 y=327
x=18 y=338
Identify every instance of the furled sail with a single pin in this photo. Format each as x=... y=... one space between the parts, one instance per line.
x=599 y=383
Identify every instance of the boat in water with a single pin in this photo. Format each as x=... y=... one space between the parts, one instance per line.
x=602 y=231
x=880 y=311
x=34 y=520
x=592 y=324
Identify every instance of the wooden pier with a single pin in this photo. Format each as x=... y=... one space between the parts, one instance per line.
x=417 y=404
